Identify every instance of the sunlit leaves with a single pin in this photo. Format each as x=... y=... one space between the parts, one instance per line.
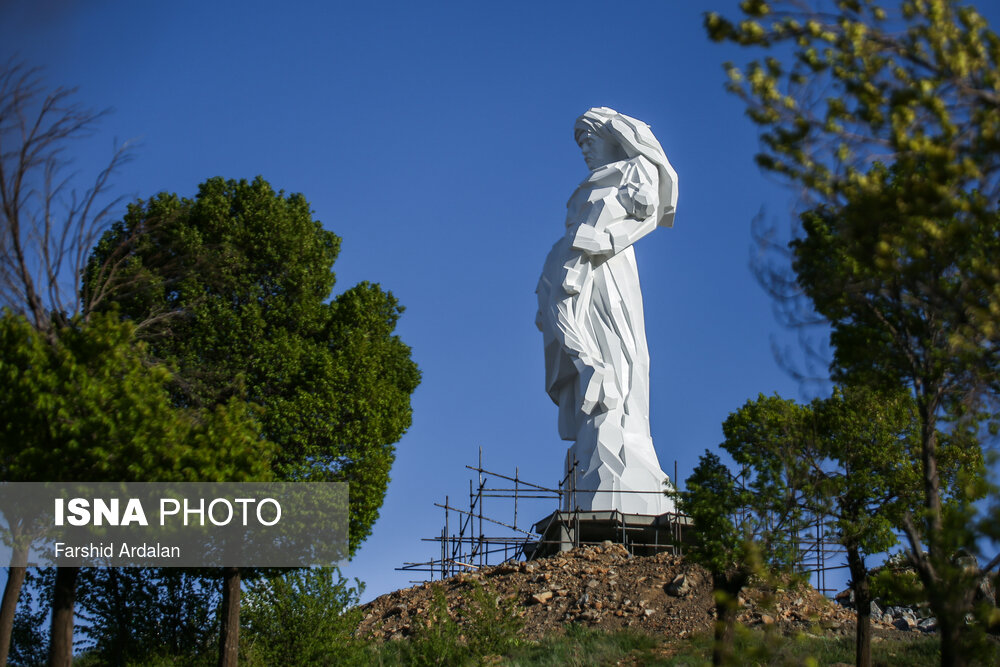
x=246 y=273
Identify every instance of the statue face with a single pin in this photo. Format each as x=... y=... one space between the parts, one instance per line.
x=598 y=152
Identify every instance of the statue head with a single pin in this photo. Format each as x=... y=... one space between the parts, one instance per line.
x=609 y=136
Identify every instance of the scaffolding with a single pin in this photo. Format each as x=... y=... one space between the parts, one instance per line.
x=471 y=539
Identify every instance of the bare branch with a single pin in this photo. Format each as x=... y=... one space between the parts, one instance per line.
x=47 y=229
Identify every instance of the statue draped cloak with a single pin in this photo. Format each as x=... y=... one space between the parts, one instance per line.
x=591 y=317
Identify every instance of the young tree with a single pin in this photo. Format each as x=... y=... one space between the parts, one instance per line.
x=889 y=125
x=749 y=524
x=248 y=272
x=861 y=459
x=721 y=542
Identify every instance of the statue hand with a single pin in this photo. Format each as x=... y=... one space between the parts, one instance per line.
x=593 y=242
x=639 y=201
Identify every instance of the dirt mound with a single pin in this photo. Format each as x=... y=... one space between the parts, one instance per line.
x=603 y=587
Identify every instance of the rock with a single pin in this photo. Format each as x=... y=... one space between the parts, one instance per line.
x=648 y=612
x=767 y=619
x=679 y=587
x=543 y=597
x=928 y=625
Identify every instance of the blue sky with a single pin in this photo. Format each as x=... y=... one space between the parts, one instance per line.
x=436 y=139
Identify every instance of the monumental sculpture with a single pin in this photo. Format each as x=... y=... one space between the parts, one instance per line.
x=591 y=317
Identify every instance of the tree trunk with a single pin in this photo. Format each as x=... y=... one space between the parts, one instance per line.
x=952 y=654
x=946 y=593
x=11 y=593
x=229 y=635
x=863 y=606
x=63 y=598
x=726 y=590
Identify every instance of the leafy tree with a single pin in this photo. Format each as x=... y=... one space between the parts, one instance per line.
x=864 y=482
x=137 y=616
x=235 y=284
x=889 y=125
x=846 y=462
x=749 y=524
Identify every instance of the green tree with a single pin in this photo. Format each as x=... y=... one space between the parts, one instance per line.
x=138 y=616
x=722 y=542
x=236 y=286
x=889 y=126
x=861 y=459
x=747 y=525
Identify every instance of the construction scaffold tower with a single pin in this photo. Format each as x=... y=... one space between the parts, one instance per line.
x=470 y=539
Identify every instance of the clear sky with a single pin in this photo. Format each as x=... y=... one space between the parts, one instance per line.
x=436 y=138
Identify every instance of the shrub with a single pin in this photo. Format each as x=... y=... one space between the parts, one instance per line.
x=302 y=617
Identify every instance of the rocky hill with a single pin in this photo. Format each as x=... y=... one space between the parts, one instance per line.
x=604 y=587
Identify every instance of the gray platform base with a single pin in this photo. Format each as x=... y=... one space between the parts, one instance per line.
x=642 y=534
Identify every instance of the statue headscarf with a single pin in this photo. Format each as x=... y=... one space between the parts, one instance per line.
x=636 y=139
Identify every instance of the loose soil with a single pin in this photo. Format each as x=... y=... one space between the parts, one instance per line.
x=605 y=587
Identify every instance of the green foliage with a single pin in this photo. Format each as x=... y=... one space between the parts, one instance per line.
x=148 y=615
x=897 y=586
x=892 y=128
x=713 y=501
x=233 y=289
x=763 y=648
x=862 y=459
x=749 y=521
x=29 y=640
x=86 y=405
x=922 y=90
x=438 y=642
x=493 y=624
x=302 y=616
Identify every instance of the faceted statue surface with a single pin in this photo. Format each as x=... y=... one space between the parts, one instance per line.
x=591 y=318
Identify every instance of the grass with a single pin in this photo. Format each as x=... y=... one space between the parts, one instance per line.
x=755 y=647
x=580 y=646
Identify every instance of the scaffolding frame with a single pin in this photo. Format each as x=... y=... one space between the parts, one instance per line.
x=464 y=545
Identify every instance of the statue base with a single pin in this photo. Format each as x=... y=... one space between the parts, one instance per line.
x=642 y=535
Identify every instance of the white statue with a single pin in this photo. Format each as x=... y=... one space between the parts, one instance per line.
x=590 y=315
